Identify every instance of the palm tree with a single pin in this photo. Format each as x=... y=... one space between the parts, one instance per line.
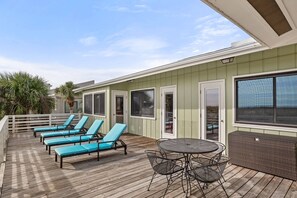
x=66 y=91
x=22 y=93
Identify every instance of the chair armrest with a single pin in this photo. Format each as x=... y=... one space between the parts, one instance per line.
x=105 y=142
x=82 y=136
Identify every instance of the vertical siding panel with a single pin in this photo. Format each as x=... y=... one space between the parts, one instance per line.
x=158 y=109
x=270 y=64
x=194 y=101
x=212 y=74
x=181 y=105
x=188 y=104
x=221 y=73
x=286 y=62
x=256 y=66
x=243 y=68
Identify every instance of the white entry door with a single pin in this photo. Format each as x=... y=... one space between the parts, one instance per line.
x=212 y=110
x=120 y=107
x=168 y=112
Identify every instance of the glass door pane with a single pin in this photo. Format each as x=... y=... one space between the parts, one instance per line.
x=169 y=113
x=119 y=109
x=212 y=114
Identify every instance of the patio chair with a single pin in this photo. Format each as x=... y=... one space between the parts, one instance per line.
x=79 y=128
x=168 y=154
x=208 y=158
x=208 y=173
x=54 y=128
x=171 y=168
x=91 y=134
x=110 y=141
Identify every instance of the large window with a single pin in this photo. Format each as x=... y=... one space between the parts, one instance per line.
x=99 y=104
x=142 y=103
x=94 y=103
x=88 y=104
x=267 y=100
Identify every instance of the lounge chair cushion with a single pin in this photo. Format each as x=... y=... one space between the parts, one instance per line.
x=71 y=150
x=54 y=128
x=81 y=122
x=67 y=140
x=80 y=149
x=114 y=134
x=60 y=133
x=94 y=146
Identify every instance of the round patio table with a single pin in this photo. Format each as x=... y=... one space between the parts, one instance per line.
x=188 y=146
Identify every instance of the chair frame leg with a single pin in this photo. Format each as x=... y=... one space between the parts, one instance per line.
x=223 y=187
x=49 y=150
x=56 y=157
x=153 y=176
x=61 y=162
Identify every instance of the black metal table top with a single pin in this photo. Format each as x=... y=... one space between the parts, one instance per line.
x=188 y=146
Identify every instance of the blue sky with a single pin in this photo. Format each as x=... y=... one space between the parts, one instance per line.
x=76 y=40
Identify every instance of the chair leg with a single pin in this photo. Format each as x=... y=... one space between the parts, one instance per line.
x=201 y=189
x=223 y=187
x=168 y=184
x=40 y=139
x=46 y=147
x=182 y=181
x=61 y=162
x=49 y=150
x=125 y=149
x=151 y=181
x=56 y=157
x=34 y=133
x=98 y=156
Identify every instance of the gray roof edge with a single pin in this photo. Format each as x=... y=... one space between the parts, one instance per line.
x=232 y=51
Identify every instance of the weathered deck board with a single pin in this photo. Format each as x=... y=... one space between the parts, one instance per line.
x=31 y=172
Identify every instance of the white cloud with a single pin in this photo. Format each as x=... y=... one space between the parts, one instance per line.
x=57 y=74
x=130 y=47
x=212 y=32
x=88 y=41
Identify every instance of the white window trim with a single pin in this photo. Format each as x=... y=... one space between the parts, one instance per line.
x=155 y=99
x=256 y=126
x=93 y=93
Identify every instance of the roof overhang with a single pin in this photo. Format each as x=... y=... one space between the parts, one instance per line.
x=237 y=49
x=261 y=19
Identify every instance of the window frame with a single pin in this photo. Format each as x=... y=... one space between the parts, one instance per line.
x=104 y=113
x=258 y=125
x=130 y=108
x=83 y=97
x=93 y=103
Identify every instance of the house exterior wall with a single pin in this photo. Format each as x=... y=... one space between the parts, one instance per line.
x=186 y=81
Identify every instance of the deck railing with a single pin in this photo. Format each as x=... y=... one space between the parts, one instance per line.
x=24 y=123
x=4 y=134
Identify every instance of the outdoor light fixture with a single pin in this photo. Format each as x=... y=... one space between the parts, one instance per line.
x=227 y=60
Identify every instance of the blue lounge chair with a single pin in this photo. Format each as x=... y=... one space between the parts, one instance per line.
x=91 y=134
x=54 y=128
x=79 y=128
x=110 y=141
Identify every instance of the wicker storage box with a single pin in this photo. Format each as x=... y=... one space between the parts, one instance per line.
x=273 y=154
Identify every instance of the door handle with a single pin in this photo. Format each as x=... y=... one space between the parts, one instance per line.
x=222 y=120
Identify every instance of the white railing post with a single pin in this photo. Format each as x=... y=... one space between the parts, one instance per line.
x=13 y=124
x=3 y=137
x=50 y=119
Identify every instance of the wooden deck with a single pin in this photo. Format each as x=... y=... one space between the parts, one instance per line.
x=31 y=172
